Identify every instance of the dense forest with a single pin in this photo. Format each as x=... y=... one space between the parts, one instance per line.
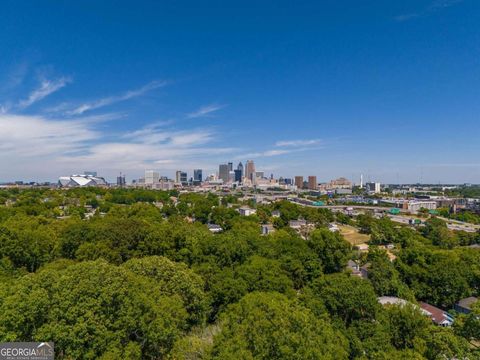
x=136 y=274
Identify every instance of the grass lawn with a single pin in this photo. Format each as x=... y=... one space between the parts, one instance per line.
x=352 y=235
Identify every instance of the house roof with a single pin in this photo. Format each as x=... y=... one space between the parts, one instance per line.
x=392 y=300
x=437 y=315
x=467 y=302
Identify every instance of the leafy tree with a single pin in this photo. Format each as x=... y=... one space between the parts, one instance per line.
x=348 y=298
x=331 y=248
x=384 y=277
x=468 y=325
x=270 y=326
x=174 y=279
x=408 y=327
x=443 y=344
x=90 y=310
x=261 y=274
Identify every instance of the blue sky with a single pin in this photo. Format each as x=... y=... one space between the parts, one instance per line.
x=389 y=89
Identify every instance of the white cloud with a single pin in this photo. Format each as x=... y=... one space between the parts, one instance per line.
x=296 y=143
x=35 y=137
x=266 y=153
x=435 y=6
x=79 y=110
x=46 y=88
x=205 y=111
x=42 y=148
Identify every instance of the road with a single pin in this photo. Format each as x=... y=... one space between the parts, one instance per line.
x=403 y=219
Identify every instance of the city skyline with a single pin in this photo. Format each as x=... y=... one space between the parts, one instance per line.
x=330 y=89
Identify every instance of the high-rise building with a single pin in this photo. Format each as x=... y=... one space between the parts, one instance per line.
x=259 y=174
x=230 y=166
x=238 y=175
x=250 y=170
x=223 y=172
x=121 y=180
x=151 y=177
x=299 y=182
x=181 y=177
x=197 y=176
x=312 y=183
x=240 y=168
x=373 y=187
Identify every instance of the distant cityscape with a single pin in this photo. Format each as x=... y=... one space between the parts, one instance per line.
x=246 y=178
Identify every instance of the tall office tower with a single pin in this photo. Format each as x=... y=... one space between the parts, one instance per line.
x=197 y=176
x=238 y=175
x=373 y=187
x=361 y=181
x=250 y=170
x=183 y=178
x=121 y=180
x=231 y=176
x=151 y=177
x=312 y=183
x=230 y=166
x=299 y=182
x=259 y=174
x=223 y=172
x=240 y=168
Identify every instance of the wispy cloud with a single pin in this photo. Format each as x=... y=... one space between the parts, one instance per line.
x=35 y=137
x=406 y=17
x=443 y=4
x=266 y=153
x=46 y=88
x=436 y=5
x=205 y=111
x=44 y=147
x=296 y=143
x=447 y=165
x=15 y=76
x=106 y=101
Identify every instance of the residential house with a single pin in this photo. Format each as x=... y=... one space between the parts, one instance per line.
x=276 y=213
x=438 y=316
x=246 y=211
x=297 y=224
x=364 y=270
x=464 y=306
x=354 y=268
x=267 y=229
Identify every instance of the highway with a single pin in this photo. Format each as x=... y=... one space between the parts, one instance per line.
x=402 y=219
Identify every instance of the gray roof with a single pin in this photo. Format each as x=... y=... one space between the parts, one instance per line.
x=468 y=302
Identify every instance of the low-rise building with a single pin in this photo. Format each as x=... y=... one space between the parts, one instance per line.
x=354 y=268
x=267 y=229
x=464 y=306
x=438 y=316
x=297 y=224
x=246 y=211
